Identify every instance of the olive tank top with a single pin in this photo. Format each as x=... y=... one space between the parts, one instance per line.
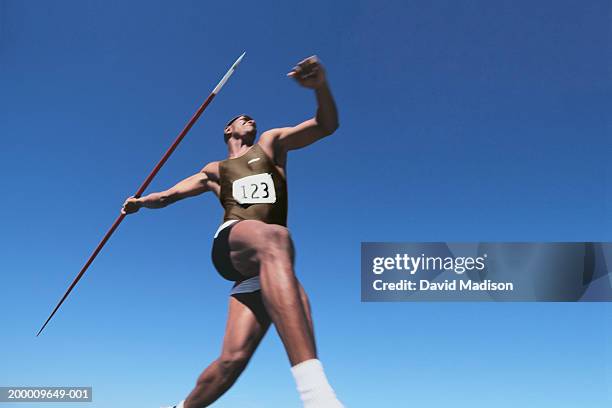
x=252 y=188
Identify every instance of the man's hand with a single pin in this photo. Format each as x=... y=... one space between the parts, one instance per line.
x=131 y=205
x=309 y=73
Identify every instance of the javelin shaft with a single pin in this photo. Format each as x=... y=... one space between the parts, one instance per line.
x=171 y=149
x=145 y=184
x=89 y=261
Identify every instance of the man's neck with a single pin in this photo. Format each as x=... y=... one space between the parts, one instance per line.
x=236 y=148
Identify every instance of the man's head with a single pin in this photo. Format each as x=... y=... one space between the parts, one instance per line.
x=241 y=127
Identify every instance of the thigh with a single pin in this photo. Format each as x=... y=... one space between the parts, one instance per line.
x=248 y=239
x=247 y=323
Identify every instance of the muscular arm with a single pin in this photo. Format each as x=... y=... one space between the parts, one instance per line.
x=189 y=187
x=310 y=74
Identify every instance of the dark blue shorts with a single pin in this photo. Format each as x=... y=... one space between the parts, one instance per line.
x=221 y=255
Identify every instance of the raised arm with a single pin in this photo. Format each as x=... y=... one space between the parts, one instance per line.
x=189 y=187
x=310 y=74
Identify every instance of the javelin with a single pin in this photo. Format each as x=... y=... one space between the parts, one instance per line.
x=147 y=181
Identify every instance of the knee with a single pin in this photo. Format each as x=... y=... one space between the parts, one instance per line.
x=276 y=235
x=233 y=362
x=274 y=239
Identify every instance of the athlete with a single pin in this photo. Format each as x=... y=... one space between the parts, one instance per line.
x=253 y=247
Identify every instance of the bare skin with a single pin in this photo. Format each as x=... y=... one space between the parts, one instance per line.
x=257 y=248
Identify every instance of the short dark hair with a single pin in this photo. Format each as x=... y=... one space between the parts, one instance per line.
x=232 y=120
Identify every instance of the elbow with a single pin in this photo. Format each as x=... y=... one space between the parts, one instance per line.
x=330 y=128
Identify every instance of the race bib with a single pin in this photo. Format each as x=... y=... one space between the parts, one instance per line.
x=256 y=189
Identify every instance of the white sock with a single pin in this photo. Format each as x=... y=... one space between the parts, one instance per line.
x=313 y=386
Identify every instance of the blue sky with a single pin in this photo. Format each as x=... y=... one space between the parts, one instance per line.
x=479 y=121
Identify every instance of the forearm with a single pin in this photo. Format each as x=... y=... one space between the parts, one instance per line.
x=158 y=200
x=191 y=186
x=327 y=114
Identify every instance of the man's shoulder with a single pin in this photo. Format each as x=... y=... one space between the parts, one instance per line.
x=269 y=136
x=273 y=134
x=211 y=169
x=268 y=141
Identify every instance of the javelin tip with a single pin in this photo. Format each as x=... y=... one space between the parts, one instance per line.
x=239 y=60
x=228 y=74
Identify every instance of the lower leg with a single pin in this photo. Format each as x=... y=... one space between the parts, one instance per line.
x=288 y=306
x=247 y=323
x=214 y=382
x=307 y=310
x=281 y=295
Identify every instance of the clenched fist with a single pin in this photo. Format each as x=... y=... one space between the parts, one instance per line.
x=131 y=205
x=309 y=73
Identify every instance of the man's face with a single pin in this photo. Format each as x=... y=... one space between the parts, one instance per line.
x=243 y=127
